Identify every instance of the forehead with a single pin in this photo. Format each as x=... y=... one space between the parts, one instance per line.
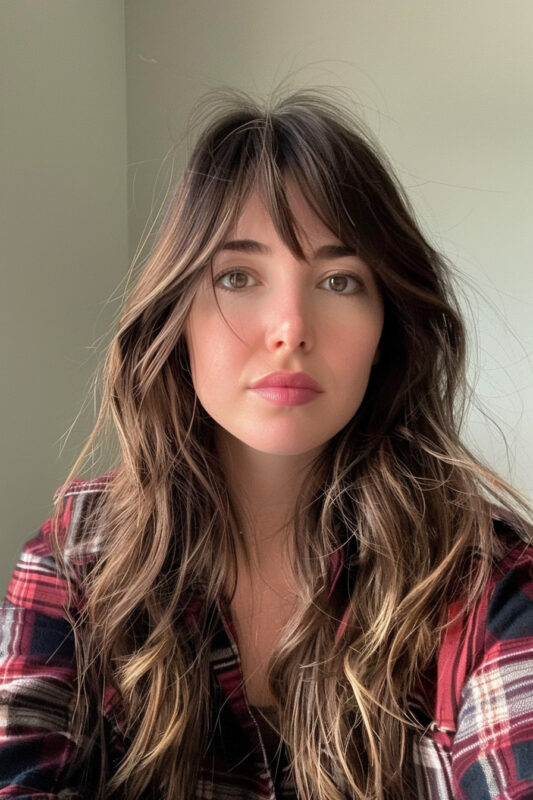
x=255 y=220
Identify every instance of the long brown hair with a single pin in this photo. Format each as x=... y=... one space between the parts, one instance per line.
x=396 y=481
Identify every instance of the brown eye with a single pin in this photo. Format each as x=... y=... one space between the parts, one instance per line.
x=233 y=280
x=343 y=284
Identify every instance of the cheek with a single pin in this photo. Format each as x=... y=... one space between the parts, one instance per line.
x=215 y=353
x=353 y=366
x=357 y=344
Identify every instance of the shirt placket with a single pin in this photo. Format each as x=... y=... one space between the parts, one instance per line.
x=231 y=682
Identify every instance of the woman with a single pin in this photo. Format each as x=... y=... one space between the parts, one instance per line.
x=296 y=581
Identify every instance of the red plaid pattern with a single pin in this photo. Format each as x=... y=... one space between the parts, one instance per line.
x=479 y=745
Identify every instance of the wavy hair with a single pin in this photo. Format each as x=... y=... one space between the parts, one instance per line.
x=396 y=483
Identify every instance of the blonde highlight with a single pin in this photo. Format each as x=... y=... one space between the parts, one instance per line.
x=396 y=488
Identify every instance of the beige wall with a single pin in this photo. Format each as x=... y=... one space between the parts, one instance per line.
x=64 y=240
x=446 y=86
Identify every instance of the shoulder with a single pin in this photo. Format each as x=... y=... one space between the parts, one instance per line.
x=486 y=678
x=509 y=597
x=40 y=743
x=50 y=567
x=71 y=525
x=501 y=621
x=504 y=612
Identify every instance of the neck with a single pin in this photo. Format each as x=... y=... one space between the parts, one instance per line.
x=263 y=488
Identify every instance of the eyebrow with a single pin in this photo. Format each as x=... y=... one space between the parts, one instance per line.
x=327 y=251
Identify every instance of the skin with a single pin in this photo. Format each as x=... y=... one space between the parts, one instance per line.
x=276 y=312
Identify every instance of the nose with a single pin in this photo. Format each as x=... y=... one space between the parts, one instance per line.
x=289 y=325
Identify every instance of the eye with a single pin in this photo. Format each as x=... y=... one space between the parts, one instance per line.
x=343 y=284
x=233 y=280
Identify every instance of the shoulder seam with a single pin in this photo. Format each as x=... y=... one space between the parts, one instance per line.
x=79 y=486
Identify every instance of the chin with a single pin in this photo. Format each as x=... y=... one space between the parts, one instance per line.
x=287 y=448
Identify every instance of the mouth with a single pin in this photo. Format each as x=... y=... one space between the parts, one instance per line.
x=286 y=395
x=287 y=380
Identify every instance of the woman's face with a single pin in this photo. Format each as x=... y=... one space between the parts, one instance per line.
x=270 y=312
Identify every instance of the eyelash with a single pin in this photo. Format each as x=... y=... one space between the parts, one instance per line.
x=218 y=281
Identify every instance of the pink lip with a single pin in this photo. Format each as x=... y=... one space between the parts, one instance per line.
x=285 y=379
x=286 y=395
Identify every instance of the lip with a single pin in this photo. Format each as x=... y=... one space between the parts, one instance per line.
x=285 y=379
x=286 y=395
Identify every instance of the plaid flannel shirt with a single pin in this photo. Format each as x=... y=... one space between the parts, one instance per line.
x=478 y=744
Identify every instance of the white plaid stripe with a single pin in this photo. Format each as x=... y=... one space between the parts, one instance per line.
x=496 y=698
x=433 y=770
